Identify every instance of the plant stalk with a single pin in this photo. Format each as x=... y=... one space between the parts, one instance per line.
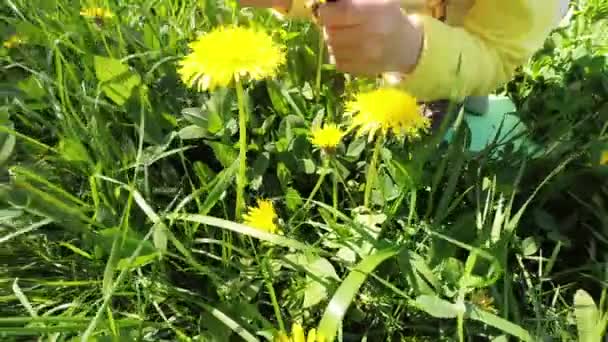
x=319 y=66
x=241 y=179
x=372 y=172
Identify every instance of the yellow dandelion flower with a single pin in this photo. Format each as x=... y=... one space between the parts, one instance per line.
x=98 y=13
x=262 y=217
x=326 y=138
x=228 y=52
x=387 y=110
x=604 y=158
x=297 y=335
x=14 y=41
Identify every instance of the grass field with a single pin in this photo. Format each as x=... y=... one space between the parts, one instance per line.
x=123 y=189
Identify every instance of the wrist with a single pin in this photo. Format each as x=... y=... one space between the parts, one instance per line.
x=412 y=45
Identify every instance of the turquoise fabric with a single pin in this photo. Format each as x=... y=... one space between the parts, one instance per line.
x=485 y=127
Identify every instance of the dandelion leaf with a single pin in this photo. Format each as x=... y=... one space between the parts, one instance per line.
x=117 y=80
x=586 y=314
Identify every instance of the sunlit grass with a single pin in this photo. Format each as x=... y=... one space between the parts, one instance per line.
x=127 y=163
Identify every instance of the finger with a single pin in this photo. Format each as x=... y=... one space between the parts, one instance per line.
x=344 y=36
x=341 y=13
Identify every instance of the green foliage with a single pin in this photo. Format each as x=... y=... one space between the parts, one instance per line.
x=118 y=189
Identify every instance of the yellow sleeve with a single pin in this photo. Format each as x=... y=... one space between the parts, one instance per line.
x=497 y=36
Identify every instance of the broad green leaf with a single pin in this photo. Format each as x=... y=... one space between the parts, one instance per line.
x=138 y=262
x=151 y=37
x=258 y=170
x=226 y=154
x=501 y=338
x=32 y=88
x=371 y=222
x=284 y=175
x=276 y=97
x=425 y=271
x=195 y=116
x=452 y=271
x=106 y=237
x=293 y=199
x=355 y=148
x=222 y=182
x=498 y=323
x=529 y=246
x=412 y=276
x=437 y=307
x=219 y=112
x=116 y=78
x=308 y=166
x=587 y=316
x=462 y=229
x=315 y=265
x=192 y=132
x=215 y=122
x=344 y=296
x=73 y=150
x=314 y=293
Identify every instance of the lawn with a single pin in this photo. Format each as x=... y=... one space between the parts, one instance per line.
x=143 y=201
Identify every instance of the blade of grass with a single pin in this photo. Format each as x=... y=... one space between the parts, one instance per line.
x=108 y=296
x=23 y=299
x=217 y=313
x=244 y=230
x=344 y=296
x=25 y=230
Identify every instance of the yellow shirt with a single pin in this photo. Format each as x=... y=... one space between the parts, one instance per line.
x=477 y=48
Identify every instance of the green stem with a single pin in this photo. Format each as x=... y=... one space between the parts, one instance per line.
x=268 y=282
x=273 y=298
x=242 y=174
x=335 y=190
x=372 y=171
x=319 y=182
x=314 y=190
x=319 y=66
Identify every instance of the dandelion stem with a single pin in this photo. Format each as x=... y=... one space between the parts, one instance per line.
x=319 y=182
x=314 y=191
x=320 y=66
x=273 y=298
x=335 y=190
x=268 y=282
x=372 y=172
x=242 y=174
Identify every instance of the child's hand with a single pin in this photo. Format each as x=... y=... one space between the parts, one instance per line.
x=370 y=37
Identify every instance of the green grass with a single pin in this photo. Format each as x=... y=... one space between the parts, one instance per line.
x=118 y=193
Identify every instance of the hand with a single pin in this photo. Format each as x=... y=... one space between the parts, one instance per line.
x=370 y=37
x=276 y=4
